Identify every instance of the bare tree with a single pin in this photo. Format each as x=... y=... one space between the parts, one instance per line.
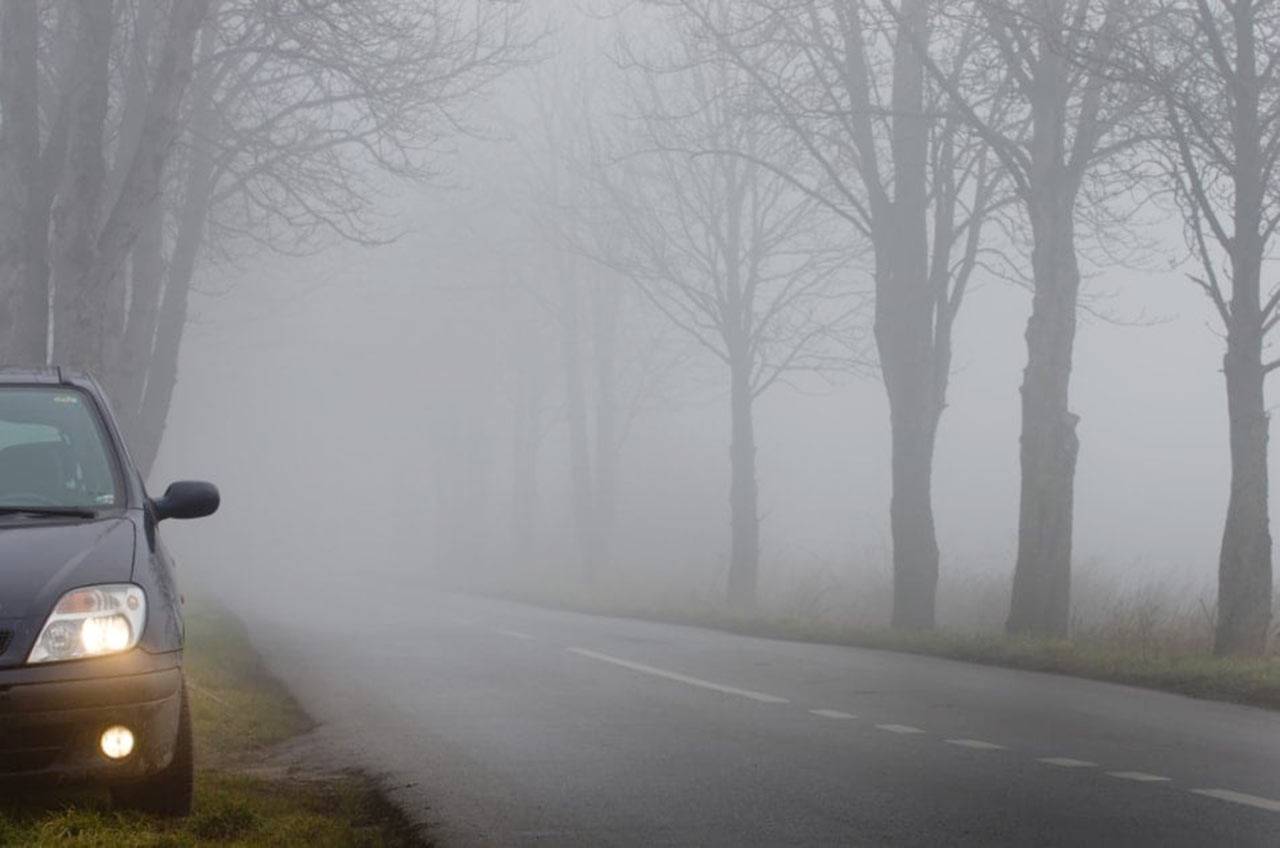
x=298 y=115
x=1067 y=125
x=94 y=228
x=845 y=81
x=728 y=251
x=1216 y=70
x=562 y=148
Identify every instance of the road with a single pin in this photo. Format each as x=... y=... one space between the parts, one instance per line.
x=503 y=724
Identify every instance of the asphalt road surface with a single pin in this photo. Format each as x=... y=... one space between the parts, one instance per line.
x=502 y=724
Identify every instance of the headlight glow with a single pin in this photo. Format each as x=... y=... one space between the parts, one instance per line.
x=117 y=742
x=92 y=622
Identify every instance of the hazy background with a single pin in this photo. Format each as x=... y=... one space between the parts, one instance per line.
x=328 y=395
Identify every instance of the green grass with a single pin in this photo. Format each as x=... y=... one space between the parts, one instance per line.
x=1251 y=681
x=238 y=711
x=237 y=708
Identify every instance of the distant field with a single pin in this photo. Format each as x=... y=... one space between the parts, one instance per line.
x=239 y=712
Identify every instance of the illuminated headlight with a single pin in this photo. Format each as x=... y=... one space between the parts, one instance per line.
x=116 y=742
x=92 y=622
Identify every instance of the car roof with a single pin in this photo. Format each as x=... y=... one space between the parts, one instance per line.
x=52 y=375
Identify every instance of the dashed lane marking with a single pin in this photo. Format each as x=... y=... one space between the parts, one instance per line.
x=899 y=728
x=1240 y=798
x=1067 y=762
x=975 y=744
x=1139 y=776
x=837 y=714
x=679 y=678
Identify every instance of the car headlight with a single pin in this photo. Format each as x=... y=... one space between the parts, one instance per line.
x=92 y=622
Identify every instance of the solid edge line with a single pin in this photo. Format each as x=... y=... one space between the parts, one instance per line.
x=761 y=697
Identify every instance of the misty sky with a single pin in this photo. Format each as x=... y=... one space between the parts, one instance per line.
x=308 y=381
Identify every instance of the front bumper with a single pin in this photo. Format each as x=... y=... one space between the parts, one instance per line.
x=51 y=717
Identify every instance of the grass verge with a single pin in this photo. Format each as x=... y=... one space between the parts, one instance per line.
x=1250 y=681
x=239 y=712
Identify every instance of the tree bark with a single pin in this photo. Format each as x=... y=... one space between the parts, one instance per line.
x=24 y=292
x=129 y=372
x=1244 y=565
x=904 y=329
x=88 y=286
x=744 y=513
x=78 y=309
x=162 y=371
x=1049 y=445
x=915 y=546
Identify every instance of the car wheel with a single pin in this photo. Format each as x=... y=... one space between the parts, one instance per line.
x=168 y=792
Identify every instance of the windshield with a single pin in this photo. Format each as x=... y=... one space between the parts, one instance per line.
x=53 y=452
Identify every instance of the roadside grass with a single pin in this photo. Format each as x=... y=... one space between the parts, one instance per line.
x=239 y=711
x=1171 y=664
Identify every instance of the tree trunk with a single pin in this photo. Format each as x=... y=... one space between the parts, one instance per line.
x=905 y=304
x=24 y=307
x=604 y=327
x=915 y=543
x=744 y=513
x=89 y=290
x=129 y=372
x=1244 y=566
x=79 y=337
x=162 y=368
x=171 y=321
x=1042 y=576
x=576 y=420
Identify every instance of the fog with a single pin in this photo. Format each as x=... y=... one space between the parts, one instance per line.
x=376 y=390
x=312 y=406
x=904 y=314
x=641 y=422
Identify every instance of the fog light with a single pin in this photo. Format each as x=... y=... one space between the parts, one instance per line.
x=117 y=742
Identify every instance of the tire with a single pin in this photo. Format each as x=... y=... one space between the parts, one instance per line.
x=169 y=791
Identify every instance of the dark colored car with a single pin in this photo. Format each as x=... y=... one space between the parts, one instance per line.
x=91 y=632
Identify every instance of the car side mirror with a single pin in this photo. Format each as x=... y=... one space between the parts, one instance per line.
x=188 y=499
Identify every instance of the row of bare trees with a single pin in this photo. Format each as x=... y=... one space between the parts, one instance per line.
x=143 y=140
x=771 y=149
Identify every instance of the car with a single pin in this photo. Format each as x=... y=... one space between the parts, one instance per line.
x=92 y=688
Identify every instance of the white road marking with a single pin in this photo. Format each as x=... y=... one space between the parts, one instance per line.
x=680 y=678
x=1139 y=776
x=975 y=744
x=515 y=634
x=899 y=728
x=1067 y=762
x=832 y=714
x=1240 y=798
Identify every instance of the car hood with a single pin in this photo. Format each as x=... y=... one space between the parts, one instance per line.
x=41 y=559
